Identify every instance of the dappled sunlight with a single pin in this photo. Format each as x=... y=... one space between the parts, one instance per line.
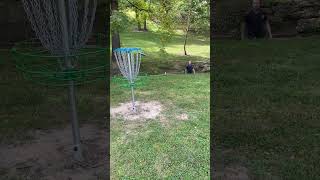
x=149 y=42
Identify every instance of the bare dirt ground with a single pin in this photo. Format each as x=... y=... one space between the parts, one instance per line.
x=49 y=156
x=232 y=173
x=145 y=110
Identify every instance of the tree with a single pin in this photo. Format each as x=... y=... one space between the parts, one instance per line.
x=187 y=27
x=142 y=11
x=115 y=32
x=165 y=17
x=195 y=16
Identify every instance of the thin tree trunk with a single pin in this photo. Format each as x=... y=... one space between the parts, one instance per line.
x=115 y=35
x=185 y=42
x=138 y=20
x=145 y=24
x=187 y=30
x=145 y=18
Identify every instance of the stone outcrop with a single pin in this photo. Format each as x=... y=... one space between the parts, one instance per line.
x=311 y=25
x=285 y=16
x=304 y=15
x=202 y=66
x=175 y=67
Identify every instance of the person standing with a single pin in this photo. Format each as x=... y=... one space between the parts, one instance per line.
x=256 y=23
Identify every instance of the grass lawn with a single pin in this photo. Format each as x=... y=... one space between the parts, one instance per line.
x=165 y=147
x=198 y=49
x=267 y=107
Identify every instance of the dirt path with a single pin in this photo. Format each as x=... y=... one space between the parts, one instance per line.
x=49 y=156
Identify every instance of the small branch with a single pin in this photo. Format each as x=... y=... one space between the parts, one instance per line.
x=132 y=4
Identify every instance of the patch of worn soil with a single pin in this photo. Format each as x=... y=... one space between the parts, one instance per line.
x=233 y=173
x=183 y=117
x=49 y=156
x=144 y=111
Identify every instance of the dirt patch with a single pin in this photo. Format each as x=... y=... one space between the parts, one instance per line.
x=183 y=117
x=233 y=173
x=144 y=111
x=49 y=156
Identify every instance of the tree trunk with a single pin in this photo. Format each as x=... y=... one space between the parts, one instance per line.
x=185 y=43
x=212 y=19
x=115 y=35
x=145 y=18
x=138 y=20
x=187 y=29
x=145 y=24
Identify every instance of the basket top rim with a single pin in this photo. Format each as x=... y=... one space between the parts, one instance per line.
x=127 y=49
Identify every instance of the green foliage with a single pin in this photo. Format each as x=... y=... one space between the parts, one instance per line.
x=120 y=21
x=199 y=15
x=140 y=7
x=165 y=17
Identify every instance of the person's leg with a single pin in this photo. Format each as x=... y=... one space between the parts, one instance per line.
x=251 y=34
x=260 y=34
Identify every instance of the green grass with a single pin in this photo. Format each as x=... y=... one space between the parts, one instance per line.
x=155 y=62
x=266 y=114
x=178 y=149
x=26 y=106
x=197 y=46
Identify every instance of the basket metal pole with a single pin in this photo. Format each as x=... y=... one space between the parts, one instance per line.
x=133 y=104
x=74 y=118
x=131 y=80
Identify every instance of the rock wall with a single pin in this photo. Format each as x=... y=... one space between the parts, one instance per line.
x=286 y=16
x=303 y=16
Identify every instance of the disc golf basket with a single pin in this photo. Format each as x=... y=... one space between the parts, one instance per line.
x=62 y=55
x=128 y=61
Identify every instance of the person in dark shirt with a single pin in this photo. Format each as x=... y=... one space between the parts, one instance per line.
x=189 y=68
x=256 y=22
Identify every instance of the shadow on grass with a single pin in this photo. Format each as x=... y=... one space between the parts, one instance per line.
x=267 y=106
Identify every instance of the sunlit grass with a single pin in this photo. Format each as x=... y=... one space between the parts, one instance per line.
x=197 y=47
x=174 y=150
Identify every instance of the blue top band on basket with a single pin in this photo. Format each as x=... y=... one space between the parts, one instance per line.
x=128 y=50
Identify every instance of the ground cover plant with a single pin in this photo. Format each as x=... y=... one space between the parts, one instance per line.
x=266 y=112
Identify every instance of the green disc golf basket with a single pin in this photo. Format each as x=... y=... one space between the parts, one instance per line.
x=38 y=65
x=64 y=53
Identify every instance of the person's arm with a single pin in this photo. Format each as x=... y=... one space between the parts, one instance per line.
x=243 y=29
x=243 y=26
x=266 y=20
x=269 y=29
